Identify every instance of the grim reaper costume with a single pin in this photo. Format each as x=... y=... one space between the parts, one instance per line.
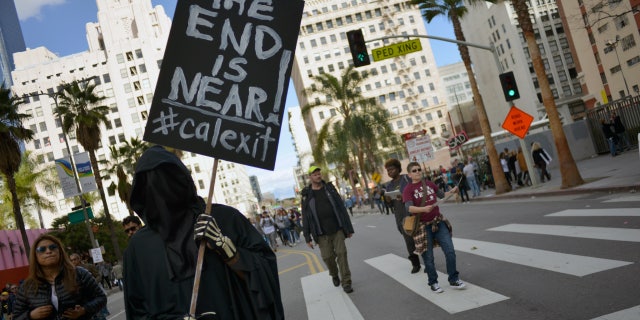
x=160 y=260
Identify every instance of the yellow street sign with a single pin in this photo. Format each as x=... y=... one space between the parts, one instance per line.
x=397 y=49
x=376 y=177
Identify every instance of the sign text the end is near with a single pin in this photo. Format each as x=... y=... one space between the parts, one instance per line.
x=397 y=49
x=224 y=78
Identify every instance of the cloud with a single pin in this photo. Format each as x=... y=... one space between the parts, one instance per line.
x=31 y=8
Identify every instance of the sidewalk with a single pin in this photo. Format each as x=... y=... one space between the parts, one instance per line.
x=601 y=173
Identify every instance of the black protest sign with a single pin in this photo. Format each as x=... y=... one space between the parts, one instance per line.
x=223 y=83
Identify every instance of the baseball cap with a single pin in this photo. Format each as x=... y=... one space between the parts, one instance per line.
x=4 y=293
x=313 y=169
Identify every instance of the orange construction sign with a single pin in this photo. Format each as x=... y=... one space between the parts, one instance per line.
x=517 y=122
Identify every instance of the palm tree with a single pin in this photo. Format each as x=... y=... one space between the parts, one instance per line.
x=455 y=10
x=28 y=178
x=11 y=133
x=122 y=164
x=79 y=110
x=361 y=119
x=568 y=168
x=345 y=92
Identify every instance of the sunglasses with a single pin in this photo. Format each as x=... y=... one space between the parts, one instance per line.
x=43 y=249
x=131 y=229
x=416 y=170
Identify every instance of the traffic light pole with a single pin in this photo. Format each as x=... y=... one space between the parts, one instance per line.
x=525 y=150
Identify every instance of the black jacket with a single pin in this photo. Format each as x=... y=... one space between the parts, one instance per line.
x=90 y=296
x=310 y=223
x=160 y=261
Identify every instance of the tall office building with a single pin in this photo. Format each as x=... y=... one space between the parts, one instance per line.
x=126 y=48
x=302 y=147
x=408 y=86
x=11 y=40
x=462 y=111
x=496 y=24
x=605 y=38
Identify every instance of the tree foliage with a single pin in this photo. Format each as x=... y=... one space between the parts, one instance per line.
x=12 y=132
x=76 y=238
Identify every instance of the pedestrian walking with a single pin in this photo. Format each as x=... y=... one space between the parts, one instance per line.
x=394 y=188
x=420 y=197
x=325 y=220
x=541 y=159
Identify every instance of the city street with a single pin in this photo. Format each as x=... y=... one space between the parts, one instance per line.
x=565 y=257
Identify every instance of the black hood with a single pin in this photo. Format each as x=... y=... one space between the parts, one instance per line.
x=165 y=198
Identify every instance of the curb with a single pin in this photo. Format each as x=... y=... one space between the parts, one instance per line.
x=632 y=188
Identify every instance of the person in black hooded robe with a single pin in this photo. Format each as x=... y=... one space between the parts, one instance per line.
x=160 y=260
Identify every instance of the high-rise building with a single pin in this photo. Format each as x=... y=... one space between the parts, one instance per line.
x=11 y=40
x=605 y=38
x=302 y=147
x=126 y=48
x=408 y=86
x=455 y=80
x=496 y=24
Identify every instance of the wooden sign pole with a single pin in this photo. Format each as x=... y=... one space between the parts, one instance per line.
x=203 y=246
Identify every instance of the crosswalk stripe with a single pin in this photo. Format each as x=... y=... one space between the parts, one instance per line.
x=611 y=212
x=452 y=300
x=632 y=313
x=326 y=302
x=548 y=260
x=616 y=234
x=624 y=199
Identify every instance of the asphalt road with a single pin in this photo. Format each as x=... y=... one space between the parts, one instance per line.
x=569 y=257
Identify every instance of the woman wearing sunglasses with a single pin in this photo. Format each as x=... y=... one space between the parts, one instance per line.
x=55 y=289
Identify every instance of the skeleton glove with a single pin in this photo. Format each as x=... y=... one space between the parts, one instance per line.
x=206 y=228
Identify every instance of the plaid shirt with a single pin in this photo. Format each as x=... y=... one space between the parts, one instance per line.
x=420 y=238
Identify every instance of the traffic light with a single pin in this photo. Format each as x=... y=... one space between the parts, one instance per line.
x=509 y=86
x=358 y=48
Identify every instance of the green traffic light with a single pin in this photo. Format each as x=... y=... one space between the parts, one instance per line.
x=512 y=93
x=361 y=57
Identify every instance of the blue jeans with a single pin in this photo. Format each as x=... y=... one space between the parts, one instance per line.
x=473 y=184
x=444 y=238
x=612 y=146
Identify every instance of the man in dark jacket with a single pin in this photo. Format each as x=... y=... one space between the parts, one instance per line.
x=325 y=220
x=239 y=275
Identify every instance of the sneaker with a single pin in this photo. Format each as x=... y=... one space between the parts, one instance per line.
x=348 y=289
x=457 y=284
x=436 y=288
x=336 y=281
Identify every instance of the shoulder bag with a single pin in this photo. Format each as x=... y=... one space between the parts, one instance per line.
x=411 y=223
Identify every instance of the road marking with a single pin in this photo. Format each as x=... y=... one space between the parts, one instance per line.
x=632 y=313
x=616 y=234
x=548 y=260
x=611 y=212
x=452 y=300
x=311 y=260
x=624 y=199
x=326 y=302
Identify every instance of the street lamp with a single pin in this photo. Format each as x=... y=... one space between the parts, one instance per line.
x=614 y=44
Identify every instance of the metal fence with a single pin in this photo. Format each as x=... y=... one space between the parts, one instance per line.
x=629 y=111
